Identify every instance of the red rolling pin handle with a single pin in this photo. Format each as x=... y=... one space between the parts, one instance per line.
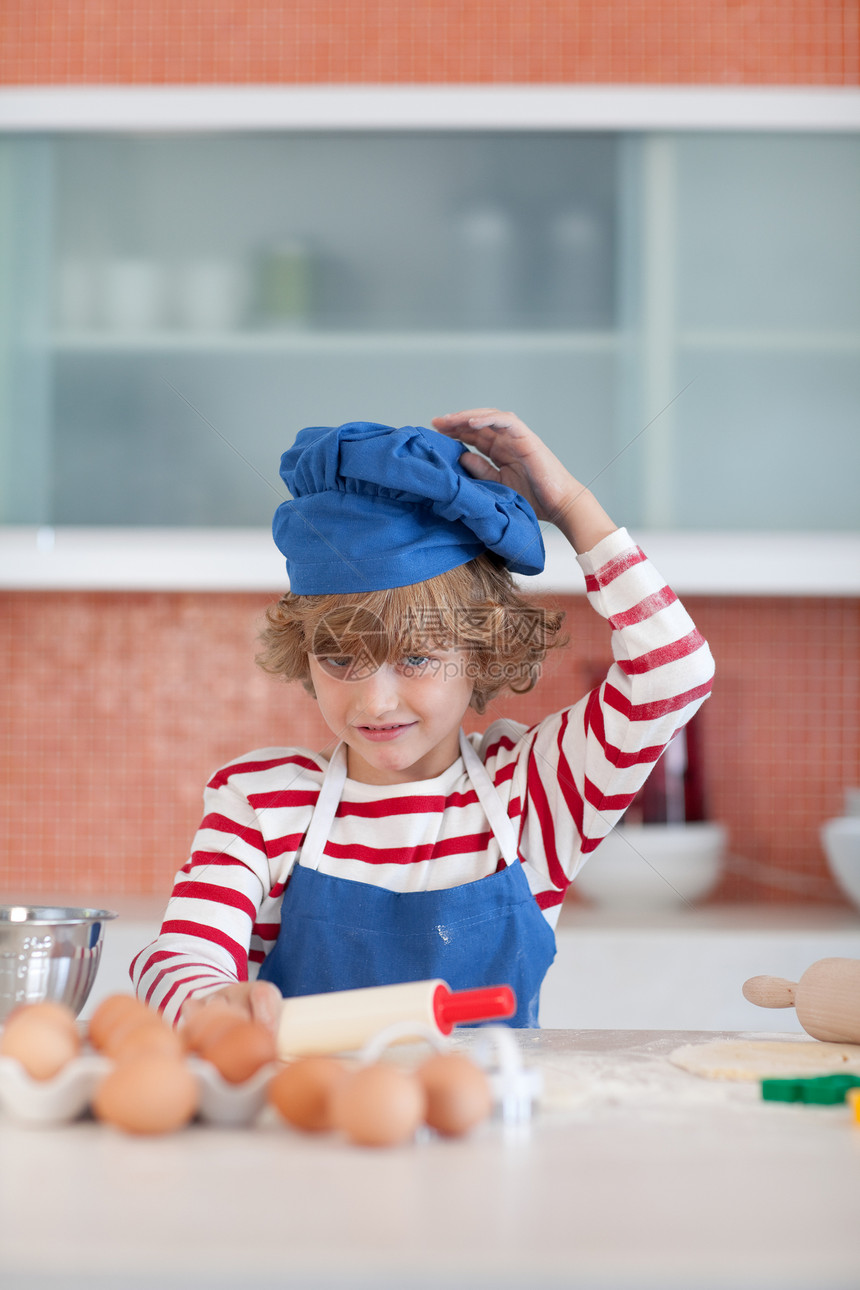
x=451 y=1008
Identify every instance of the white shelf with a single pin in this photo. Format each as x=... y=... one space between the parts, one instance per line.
x=817 y=342
x=547 y=340
x=321 y=341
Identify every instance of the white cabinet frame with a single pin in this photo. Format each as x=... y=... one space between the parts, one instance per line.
x=427 y=107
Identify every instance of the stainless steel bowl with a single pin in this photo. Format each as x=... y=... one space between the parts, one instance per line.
x=49 y=952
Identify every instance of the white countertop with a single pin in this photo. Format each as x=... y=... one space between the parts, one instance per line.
x=634 y=1174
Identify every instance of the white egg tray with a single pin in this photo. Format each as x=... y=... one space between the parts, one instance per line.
x=68 y=1095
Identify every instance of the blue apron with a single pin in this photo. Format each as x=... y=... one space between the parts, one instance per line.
x=339 y=934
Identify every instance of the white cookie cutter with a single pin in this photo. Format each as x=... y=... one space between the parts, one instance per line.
x=515 y=1087
x=396 y=1034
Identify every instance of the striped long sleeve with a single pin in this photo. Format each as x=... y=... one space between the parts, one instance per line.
x=584 y=765
x=565 y=782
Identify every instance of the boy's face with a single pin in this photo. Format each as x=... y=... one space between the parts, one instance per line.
x=400 y=721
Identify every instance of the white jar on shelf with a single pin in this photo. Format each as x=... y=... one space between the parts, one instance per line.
x=488 y=278
x=134 y=294
x=210 y=295
x=577 y=269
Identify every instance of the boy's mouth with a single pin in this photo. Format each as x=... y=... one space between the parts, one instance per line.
x=382 y=732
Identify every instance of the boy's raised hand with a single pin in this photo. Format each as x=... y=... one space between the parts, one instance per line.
x=519 y=458
x=522 y=461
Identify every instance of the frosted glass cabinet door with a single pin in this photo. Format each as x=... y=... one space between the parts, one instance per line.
x=678 y=315
x=767 y=318
x=195 y=448
x=769 y=236
x=26 y=353
x=202 y=298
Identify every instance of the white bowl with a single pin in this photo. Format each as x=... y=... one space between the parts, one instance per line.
x=841 y=841
x=653 y=866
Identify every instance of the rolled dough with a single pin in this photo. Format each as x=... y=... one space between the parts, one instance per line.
x=766 y=1058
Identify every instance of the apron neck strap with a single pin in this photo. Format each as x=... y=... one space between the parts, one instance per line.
x=494 y=809
x=331 y=792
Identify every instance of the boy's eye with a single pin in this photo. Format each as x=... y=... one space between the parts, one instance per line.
x=416 y=660
x=347 y=667
x=336 y=663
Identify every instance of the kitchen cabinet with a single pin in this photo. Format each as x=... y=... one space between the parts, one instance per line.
x=677 y=311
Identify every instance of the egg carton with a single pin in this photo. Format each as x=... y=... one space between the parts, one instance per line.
x=68 y=1095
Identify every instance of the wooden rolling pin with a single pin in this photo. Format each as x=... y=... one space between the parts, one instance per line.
x=346 y=1019
x=827 y=998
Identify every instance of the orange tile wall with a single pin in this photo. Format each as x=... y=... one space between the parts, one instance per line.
x=121 y=705
x=790 y=42
x=116 y=707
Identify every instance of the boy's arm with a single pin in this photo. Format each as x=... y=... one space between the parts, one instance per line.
x=586 y=763
x=514 y=455
x=203 y=943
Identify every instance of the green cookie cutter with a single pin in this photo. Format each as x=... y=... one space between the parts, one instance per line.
x=821 y=1090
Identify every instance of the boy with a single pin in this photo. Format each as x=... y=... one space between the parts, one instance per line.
x=415 y=852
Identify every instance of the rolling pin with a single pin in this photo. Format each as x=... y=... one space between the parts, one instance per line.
x=827 y=998
x=346 y=1019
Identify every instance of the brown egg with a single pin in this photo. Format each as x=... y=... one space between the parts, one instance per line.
x=47 y=1010
x=458 y=1093
x=302 y=1092
x=378 y=1105
x=239 y=1052
x=113 y=1011
x=207 y=1025
x=150 y=1094
x=156 y=1038
x=41 y=1039
x=129 y=1025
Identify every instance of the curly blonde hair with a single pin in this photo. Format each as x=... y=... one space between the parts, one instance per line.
x=475 y=607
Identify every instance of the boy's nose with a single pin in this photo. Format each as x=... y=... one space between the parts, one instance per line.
x=378 y=695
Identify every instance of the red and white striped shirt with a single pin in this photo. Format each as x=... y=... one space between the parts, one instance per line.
x=565 y=782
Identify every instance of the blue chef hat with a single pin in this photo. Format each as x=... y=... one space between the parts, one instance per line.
x=375 y=507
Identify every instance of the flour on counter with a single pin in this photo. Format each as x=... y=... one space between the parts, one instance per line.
x=584 y=1080
x=590 y=1082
